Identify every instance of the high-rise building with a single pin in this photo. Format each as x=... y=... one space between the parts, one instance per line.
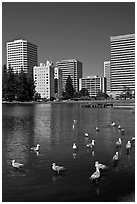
x=21 y=54
x=58 y=82
x=44 y=79
x=122 y=63
x=72 y=68
x=93 y=84
x=107 y=76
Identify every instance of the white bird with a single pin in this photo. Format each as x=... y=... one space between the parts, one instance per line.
x=16 y=164
x=113 y=124
x=36 y=148
x=86 y=134
x=95 y=175
x=74 y=146
x=58 y=168
x=74 y=121
x=115 y=157
x=133 y=139
x=119 y=127
x=92 y=144
x=97 y=128
x=119 y=142
x=128 y=145
x=100 y=166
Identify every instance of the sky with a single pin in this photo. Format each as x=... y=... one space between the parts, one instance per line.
x=69 y=30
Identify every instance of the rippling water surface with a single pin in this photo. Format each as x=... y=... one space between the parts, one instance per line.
x=50 y=125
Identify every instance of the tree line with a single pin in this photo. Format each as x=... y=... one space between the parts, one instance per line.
x=17 y=86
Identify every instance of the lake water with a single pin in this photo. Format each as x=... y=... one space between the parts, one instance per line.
x=50 y=125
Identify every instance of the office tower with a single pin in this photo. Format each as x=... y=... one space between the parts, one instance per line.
x=122 y=63
x=93 y=84
x=107 y=76
x=58 y=82
x=73 y=68
x=21 y=54
x=44 y=79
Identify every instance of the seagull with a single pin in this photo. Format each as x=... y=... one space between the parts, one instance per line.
x=100 y=166
x=95 y=175
x=119 y=127
x=128 y=145
x=119 y=142
x=113 y=124
x=92 y=144
x=74 y=146
x=86 y=134
x=16 y=164
x=58 y=168
x=36 y=148
x=74 y=121
x=133 y=139
x=115 y=157
x=97 y=128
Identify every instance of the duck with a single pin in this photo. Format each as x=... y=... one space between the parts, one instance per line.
x=92 y=144
x=86 y=134
x=16 y=164
x=128 y=145
x=115 y=157
x=95 y=176
x=119 y=142
x=97 y=128
x=113 y=124
x=74 y=146
x=119 y=127
x=57 y=168
x=100 y=166
x=35 y=148
x=133 y=139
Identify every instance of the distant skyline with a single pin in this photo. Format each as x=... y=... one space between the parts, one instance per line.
x=69 y=30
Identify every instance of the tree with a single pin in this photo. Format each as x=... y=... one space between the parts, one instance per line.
x=126 y=93
x=11 y=84
x=69 y=87
x=4 y=81
x=84 y=92
x=101 y=96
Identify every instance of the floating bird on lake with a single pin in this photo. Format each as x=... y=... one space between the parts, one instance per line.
x=119 y=127
x=119 y=142
x=74 y=146
x=86 y=135
x=113 y=124
x=58 y=168
x=128 y=145
x=16 y=164
x=133 y=139
x=100 y=166
x=97 y=128
x=35 y=148
x=115 y=157
x=92 y=144
x=95 y=176
x=122 y=131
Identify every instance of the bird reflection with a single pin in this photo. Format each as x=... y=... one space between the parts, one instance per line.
x=93 y=153
x=74 y=155
x=37 y=153
x=56 y=177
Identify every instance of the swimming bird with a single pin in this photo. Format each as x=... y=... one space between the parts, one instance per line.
x=74 y=146
x=58 y=168
x=100 y=166
x=119 y=127
x=122 y=131
x=133 y=139
x=119 y=142
x=86 y=135
x=128 y=145
x=16 y=164
x=115 y=157
x=95 y=176
x=113 y=124
x=92 y=144
x=97 y=128
x=36 y=148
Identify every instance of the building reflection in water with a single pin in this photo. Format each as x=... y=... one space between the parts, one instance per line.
x=17 y=129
